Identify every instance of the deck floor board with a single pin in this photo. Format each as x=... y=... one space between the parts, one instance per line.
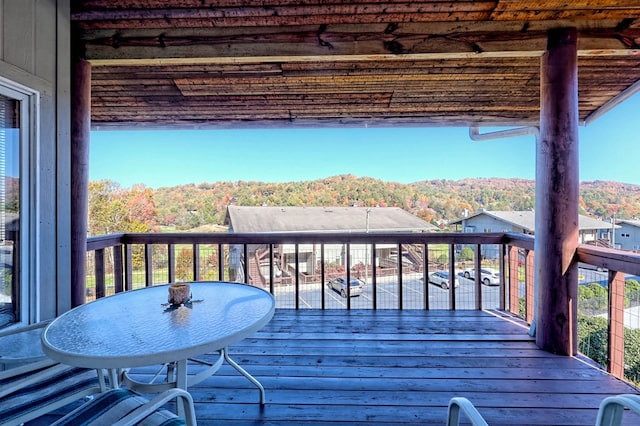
x=401 y=368
x=391 y=367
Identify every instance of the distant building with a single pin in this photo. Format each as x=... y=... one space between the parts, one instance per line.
x=590 y=231
x=627 y=235
x=319 y=219
x=323 y=219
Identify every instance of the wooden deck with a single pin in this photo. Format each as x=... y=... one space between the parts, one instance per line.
x=400 y=367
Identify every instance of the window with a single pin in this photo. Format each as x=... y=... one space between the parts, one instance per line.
x=9 y=210
x=17 y=106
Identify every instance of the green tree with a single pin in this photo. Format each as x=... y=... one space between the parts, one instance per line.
x=466 y=253
x=184 y=264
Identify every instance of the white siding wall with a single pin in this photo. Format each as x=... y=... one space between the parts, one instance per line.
x=484 y=223
x=632 y=242
x=34 y=52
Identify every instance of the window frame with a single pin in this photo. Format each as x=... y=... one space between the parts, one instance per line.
x=28 y=307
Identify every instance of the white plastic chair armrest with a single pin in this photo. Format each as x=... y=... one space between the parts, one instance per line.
x=161 y=399
x=458 y=404
x=51 y=369
x=611 y=409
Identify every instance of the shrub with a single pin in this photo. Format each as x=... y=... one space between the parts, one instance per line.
x=592 y=342
x=466 y=254
x=585 y=293
x=592 y=338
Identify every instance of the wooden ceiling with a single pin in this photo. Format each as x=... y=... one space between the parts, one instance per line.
x=312 y=63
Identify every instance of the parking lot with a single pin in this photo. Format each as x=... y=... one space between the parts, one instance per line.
x=387 y=291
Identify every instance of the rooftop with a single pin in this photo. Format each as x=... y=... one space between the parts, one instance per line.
x=526 y=219
x=323 y=219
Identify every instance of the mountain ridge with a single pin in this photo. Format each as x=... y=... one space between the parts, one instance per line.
x=437 y=201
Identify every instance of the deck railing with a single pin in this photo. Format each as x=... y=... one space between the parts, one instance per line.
x=395 y=267
x=296 y=267
x=616 y=312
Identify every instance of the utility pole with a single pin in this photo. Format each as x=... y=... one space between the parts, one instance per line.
x=613 y=231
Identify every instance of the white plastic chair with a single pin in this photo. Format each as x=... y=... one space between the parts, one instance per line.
x=41 y=385
x=612 y=408
x=124 y=407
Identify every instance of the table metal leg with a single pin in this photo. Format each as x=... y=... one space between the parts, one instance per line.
x=245 y=374
x=114 y=381
x=181 y=382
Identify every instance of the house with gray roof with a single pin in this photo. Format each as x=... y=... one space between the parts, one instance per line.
x=248 y=219
x=590 y=230
x=627 y=235
x=323 y=219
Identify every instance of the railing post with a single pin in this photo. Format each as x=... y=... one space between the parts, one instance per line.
x=616 y=323
x=452 y=277
x=196 y=262
x=514 y=284
x=271 y=275
x=529 y=262
x=171 y=263
x=322 y=286
x=477 y=265
x=374 y=277
x=220 y=263
x=502 y=296
x=128 y=264
x=99 y=273
x=425 y=275
x=148 y=265
x=297 y=277
x=245 y=264
x=348 y=273
x=400 y=295
x=118 y=269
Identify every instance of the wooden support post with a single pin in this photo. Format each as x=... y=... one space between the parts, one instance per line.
x=80 y=138
x=557 y=192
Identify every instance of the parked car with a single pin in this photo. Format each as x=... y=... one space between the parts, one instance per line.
x=443 y=279
x=488 y=276
x=339 y=284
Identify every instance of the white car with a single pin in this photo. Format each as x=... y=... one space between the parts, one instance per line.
x=488 y=276
x=339 y=284
x=442 y=279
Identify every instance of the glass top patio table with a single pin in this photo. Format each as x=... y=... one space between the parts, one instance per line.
x=138 y=328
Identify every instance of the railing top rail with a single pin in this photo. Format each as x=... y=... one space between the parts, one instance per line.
x=104 y=241
x=307 y=237
x=520 y=240
x=616 y=260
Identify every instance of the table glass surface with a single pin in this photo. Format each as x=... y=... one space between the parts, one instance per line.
x=137 y=328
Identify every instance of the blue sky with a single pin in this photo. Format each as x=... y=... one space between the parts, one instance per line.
x=609 y=150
